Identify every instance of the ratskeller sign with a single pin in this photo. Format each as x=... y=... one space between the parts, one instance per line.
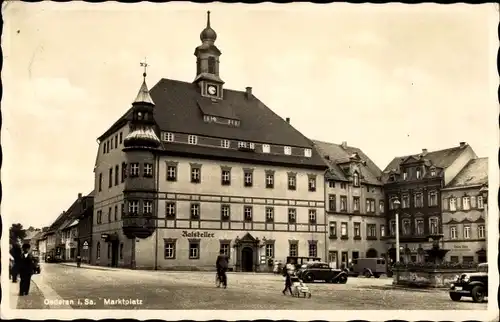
x=200 y=234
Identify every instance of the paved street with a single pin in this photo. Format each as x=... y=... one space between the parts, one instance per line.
x=67 y=287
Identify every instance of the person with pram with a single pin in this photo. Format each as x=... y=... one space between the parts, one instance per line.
x=293 y=284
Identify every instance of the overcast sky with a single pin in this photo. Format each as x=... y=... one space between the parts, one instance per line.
x=389 y=79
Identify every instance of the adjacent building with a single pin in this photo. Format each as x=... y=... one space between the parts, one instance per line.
x=416 y=181
x=465 y=213
x=84 y=228
x=194 y=168
x=354 y=204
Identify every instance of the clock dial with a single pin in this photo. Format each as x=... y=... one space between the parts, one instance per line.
x=212 y=90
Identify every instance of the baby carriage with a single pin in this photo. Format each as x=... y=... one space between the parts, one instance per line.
x=299 y=288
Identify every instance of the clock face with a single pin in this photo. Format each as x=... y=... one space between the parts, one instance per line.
x=212 y=90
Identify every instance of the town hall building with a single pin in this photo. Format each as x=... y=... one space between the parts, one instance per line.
x=194 y=168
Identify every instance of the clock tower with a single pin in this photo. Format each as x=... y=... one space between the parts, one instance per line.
x=207 y=64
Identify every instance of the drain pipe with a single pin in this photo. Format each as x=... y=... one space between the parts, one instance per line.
x=156 y=209
x=326 y=219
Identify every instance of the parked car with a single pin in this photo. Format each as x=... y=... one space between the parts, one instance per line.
x=369 y=267
x=473 y=285
x=320 y=271
x=36 y=265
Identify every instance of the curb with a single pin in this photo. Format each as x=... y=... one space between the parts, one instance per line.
x=91 y=267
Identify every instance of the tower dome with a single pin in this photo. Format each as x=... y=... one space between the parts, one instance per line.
x=208 y=34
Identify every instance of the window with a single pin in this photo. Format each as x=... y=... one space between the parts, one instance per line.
x=371 y=231
x=248 y=178
x=171 y=173
x=393 y=227
x=418 y=174
x=121 y=137
x=293 y=250
x=332 y=203
x=148 y=170
x=110 y=181
x=313 y=249
x=99 y=217
x=226 y=177
x=355 y=204
x=370 y=206
x=453 y=204
x=481 y=231
x=121 y=248
x=454 y=259
x=343 y=203
x=355 y=179
x=419 y=200
x=98 y=250
x=247 y=213
x=343 y=185
x=195 y=211
x=124 y=171
x=466 y=232
x=382 y=230
x=269 y=214
x=292 y=215
x=211 y=65
x=331 y=184
x=405 y=201
x=266 y=148
x=170 y=210
x=312 y=183
x=473 y=202
x=112 y=144
x=133 y=206
x=169 y=249
x=468 y=259
x=269 y=179
x=381 y=206
x=405 y=175
x=419 y=227
x=312 y=216
x=116 y=212
x=195 y=174
x=466 y=203
x=100 y=182
x=307 y=153
x=406 y=227
x=333 y=229
x=117 y=173
x=453 y=232
x=194 y=250
x=242 y=144
x=343 y=229
x=169 y=137
x=270 y=250
x=434 y=226
x=225 y=248
x=225 y=212
x=225 y=143
x=147 y=207
x=192 y=139
x=116 y=141
x=480 y=203
x=433 y=199
x=104 y=148
x=292 y=181
x=357 y=230
x=134 y=169
x=287 y=150
x=122 y=209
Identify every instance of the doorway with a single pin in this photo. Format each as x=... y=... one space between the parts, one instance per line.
x=114 y=253
x=371 y=253
x=247 y=259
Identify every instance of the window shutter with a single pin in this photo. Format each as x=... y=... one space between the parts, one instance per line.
x=446 y=202
x=459 y=203
x=473 y=203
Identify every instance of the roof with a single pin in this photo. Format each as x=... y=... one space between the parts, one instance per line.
x=474 y=173
x=334 y=153
x=30 y=234
x=180 y=109
x=67 y=217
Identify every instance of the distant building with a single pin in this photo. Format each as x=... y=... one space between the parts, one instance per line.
x=464 y=214
x=354 y=204
x=31 y=232
x=85 y=228
x=416 y=180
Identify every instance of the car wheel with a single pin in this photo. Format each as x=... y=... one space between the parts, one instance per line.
x=367 y=274
x=342 y=279
x=455 y=297
x=377 y=275
x=478 y=294
x=309 y=278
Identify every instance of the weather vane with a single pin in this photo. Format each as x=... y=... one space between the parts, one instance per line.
x=145 y=65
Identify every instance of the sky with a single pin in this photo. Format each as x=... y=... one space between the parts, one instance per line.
x=390 y=79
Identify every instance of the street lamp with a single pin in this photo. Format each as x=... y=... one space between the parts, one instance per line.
x=396 y=204
x=484 y=193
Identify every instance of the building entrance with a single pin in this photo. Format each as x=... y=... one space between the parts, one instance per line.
x=114 y=253
x=247 y=259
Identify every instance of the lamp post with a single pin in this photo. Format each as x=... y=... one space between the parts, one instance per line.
x=396 y=204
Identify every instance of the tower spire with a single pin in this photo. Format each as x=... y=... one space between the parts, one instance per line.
x=208 y=19
x=143 y=95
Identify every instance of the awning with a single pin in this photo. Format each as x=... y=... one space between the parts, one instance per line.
x=74 y=223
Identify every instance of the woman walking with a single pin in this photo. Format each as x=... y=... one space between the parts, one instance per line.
x=288 y=280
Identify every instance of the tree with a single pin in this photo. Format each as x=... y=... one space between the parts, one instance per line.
x=17 y=234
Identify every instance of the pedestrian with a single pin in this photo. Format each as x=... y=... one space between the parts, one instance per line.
x=15 y=253
x=288 y=280
x=25 y=270
x=221 y=265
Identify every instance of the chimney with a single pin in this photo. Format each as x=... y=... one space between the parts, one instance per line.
x=248 y=92
x=424 y=152
x=462 y=144
x=288 y=120
x=79 y=196
x=344 y=144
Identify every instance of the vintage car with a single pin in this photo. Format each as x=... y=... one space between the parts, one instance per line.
x=473 y=285
x=320 y=271
x=369 y=267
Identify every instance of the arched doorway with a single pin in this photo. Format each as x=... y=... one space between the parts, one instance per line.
x=247 y=259
x=371 y=253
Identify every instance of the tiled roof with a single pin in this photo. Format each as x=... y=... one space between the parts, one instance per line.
x=474 y=173
x=334 y=153
x=67 y=217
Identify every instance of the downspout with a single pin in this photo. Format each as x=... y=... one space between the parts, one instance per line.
x=326 y=217
x=157 y=157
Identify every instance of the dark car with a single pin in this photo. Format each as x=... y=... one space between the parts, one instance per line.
x=320 y=271
x=473 y=285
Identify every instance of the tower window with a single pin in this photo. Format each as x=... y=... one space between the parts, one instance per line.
x=211 y=65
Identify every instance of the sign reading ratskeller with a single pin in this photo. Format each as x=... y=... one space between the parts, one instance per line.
x=197 y=234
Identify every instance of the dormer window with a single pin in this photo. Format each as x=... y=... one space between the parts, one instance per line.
x=307 y=153
x=242 y=144
x=167 y=136
x=433 y=173
x=355 y=179
x=251 y=146
x=405 y=175
x=288 y=150
x=418 y=174
x=266 y=148
x=392 y=177
x=225 y=143
x=192 y=139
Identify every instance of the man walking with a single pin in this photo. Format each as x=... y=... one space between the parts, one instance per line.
x=221 y=265
x=25 y=270
x=15 y=253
